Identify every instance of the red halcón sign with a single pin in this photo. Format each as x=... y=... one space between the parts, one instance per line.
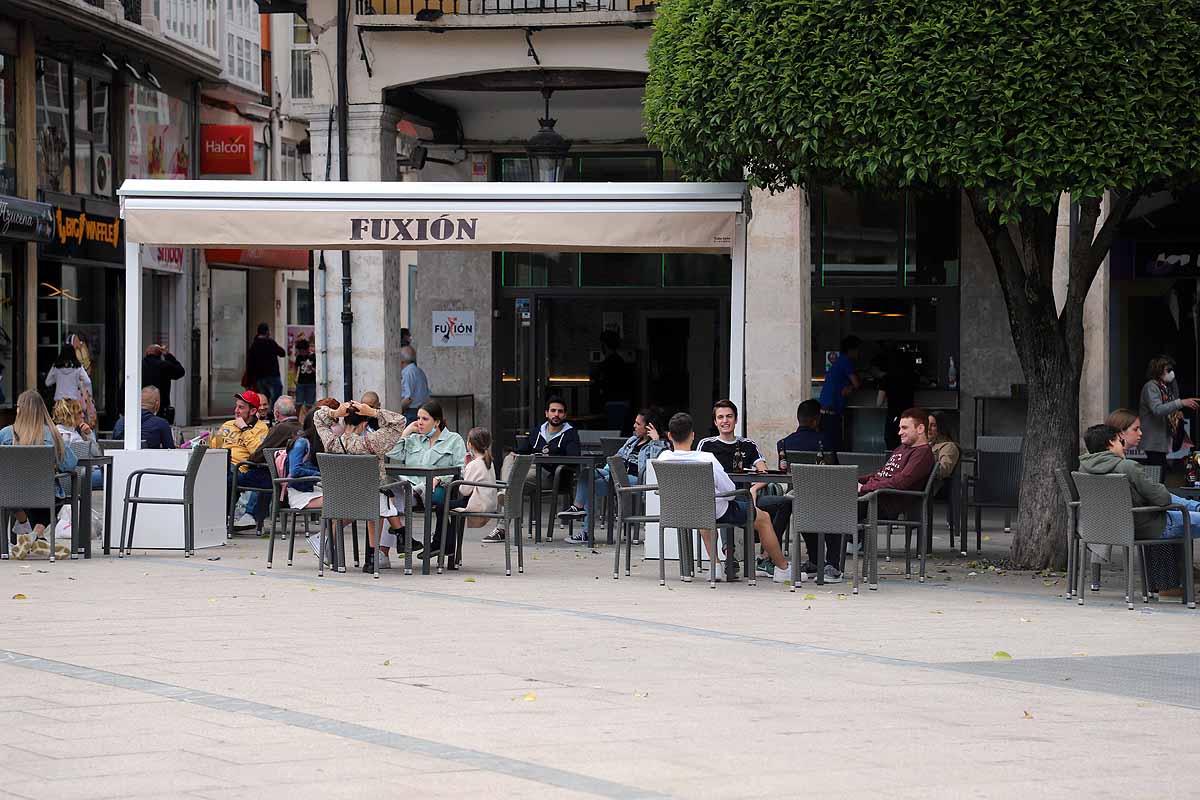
x=226 y=150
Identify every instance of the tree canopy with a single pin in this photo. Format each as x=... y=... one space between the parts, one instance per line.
x=1019 y=100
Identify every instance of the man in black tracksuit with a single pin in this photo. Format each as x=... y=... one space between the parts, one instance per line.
x=556 y=437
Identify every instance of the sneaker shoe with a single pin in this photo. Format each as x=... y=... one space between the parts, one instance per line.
x=809 y=567
x=576 y=537
x=764 y=568
x=384 y=561
x=783 y=574
x=369 y=564
x=571 y=512
x=729 y=572
x=314 y=545
x=496 y=536
x=245 y=521
x=832 y=574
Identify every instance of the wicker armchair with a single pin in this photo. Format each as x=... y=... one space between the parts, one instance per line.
x=825 y=501
x=17 y=491
x=916 y=519
x=1105 y=516
x=350 y=486
x=512 y=513
x=688 y=503
x=628 y=518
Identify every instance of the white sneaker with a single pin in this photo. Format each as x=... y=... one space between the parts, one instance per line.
x=832 y=575
x=314 y=544
x=382 y=561
x=245 y=521
x=784 y=574
x=576 y=537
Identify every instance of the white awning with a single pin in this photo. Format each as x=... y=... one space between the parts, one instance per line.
x=620 y=217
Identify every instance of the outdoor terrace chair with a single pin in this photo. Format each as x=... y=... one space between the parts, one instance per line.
x=281 y=511
x=809 y=457
x=512 y=513
x=350 y=486
x=134 y=498
x=916 y=519
x=1106 y=516
x=867 y=464
x=609 y=445
x=111 y=444
x=18 y=492
x=688 y=503
x=628 y=518
x=235 y=491
x=593 y=440
x=995 y=484
x=825 y=501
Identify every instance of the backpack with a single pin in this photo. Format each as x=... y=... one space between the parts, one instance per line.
x=281 y=469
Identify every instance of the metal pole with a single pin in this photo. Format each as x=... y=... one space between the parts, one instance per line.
x=343 y=123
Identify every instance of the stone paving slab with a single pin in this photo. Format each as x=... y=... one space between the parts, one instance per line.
x=158 y=676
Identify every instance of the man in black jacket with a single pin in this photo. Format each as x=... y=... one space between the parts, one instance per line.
x=556 y=437
x=262 y=363
x=159 y=368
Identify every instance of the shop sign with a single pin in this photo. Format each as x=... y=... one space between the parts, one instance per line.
x=226 y=149
x=454 y=329
x=163 y=259
x=82 y=234
x=26 y=220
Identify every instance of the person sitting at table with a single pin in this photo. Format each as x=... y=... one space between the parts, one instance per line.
x=556 y=437
x=372 y=399
x=242 y=436
x=156 y=431
x=283 y=431
x=1106 y=456
x=682 y=433
x=646 y=443
x=945 y=450
x=427 y=443
x=32 y=426
x=72 y=426
x=479 y=469
x=302 y=463
x=807 y=437
x=907 y=467
x=356 y=438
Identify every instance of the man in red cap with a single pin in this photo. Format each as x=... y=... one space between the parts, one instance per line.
x=242 y=436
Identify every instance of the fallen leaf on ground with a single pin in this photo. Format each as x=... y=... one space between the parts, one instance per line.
x=212 y=599
x=312 y=590
x=987 y=538
x=937 y=612
x=641 y=695
x=972 y=574
x=1079 y=653
x=387 y=663
x=841 y=597
x=252 y=572
x=810 y=597
x=468 y=580
x=302 y=550
x=1028 y=715
x=1000 y=655
x=44 y=572
x=214 y=558
x=529 y=697
x=1024 y=619
x=19 y=596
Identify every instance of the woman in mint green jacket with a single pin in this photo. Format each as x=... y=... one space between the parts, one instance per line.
x=427 y=443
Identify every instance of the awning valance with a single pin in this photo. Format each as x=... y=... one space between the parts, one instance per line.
x=622 y=217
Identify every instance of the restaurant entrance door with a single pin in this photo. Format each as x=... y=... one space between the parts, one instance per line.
x=608 y=354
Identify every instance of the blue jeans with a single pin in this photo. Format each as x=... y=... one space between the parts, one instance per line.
x=259 y=504
x=583 y=493
x=1174 y=529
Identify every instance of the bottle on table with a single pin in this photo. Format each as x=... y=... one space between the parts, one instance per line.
x=737 y=458
x=783 y=464
x=820 y=454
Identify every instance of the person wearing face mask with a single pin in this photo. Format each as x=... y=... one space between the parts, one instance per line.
x=1161 y=410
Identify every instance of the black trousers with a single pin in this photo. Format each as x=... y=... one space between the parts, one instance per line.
x=779 y=509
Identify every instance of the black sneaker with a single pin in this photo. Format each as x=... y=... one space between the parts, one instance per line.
x=369 y=564
x=572 y=512
x=809 y=567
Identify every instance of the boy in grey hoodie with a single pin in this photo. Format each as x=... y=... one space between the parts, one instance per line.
x=1106 y=455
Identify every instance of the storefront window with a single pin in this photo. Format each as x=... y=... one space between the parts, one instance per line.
x=83 y=137
x=160 y=134
x=8 y=123
x=101 y=147
x=53 y=124
x=931 y=239
x=697 y=269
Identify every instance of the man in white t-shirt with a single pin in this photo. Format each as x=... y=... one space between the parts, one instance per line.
x=733 y=512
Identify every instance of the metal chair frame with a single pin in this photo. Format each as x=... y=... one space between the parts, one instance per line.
x=350 y=495
x=133 y=497
x=512 y=513
x=32 y=460
x=995 y=484
x=280 y=511
x=628 y=520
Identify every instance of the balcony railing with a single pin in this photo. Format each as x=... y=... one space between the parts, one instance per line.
x=434 y=8
x=133 y=9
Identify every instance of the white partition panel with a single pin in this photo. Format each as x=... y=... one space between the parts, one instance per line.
x=161 y=527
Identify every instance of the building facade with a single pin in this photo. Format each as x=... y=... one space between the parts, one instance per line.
x=443 y=90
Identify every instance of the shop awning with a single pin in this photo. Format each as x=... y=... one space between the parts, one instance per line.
x=573 y=217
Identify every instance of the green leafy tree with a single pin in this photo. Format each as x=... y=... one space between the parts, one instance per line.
x=1014 y=101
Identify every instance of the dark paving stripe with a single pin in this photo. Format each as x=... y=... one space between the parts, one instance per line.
x=1171 y=679
x=474 y=759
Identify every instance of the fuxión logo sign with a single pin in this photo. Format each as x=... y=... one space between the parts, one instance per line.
x=416 y=229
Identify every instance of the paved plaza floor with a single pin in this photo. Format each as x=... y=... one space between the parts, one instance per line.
x=156 y=676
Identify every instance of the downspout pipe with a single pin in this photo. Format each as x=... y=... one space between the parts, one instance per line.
x=343 y=124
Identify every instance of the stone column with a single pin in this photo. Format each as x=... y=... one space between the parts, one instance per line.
x=376 y=290
x=778 y=316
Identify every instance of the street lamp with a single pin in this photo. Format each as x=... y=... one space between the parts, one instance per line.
x=547 y=149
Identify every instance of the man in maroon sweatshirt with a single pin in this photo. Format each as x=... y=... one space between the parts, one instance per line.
x=907 y=467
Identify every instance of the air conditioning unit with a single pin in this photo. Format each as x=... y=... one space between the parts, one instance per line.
x=102 y=174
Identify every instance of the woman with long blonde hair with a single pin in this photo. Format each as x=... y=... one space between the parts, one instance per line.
x=71 y=421
x=33 y=426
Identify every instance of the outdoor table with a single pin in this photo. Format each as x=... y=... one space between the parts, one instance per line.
x=81 y=529
x=591 y=461
x=429 y=473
